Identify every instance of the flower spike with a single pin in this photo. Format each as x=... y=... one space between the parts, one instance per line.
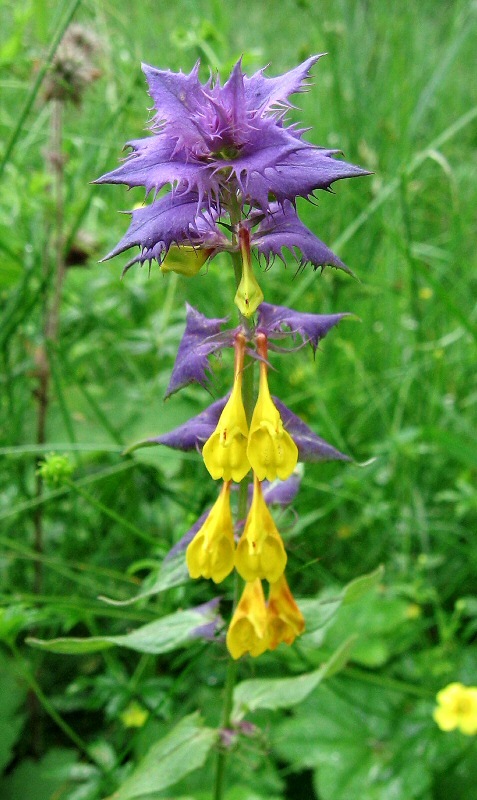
x=271 y=451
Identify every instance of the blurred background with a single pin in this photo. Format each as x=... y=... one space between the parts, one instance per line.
x=86 y=358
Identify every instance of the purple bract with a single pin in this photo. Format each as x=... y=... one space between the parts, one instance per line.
x=221 y=146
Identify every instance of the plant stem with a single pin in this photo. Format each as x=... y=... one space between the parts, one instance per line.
x=231 y=674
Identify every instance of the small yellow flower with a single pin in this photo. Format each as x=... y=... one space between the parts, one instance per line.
x=225 y=452
x=457 y=708
x=211 y=552
x=185 y=260
x=271 y=451
x=247 y=632
x=285 y=620
x=134 y=716
x=425 y=293
x=260 y=552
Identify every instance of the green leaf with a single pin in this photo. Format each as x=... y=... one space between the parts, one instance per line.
x=461 y=448
x=183 y=750
x=359 y=587
x=41 y=780
x=273 y=693
x=381 y=623
x=362 y=741
x=160 y=636
x=172 y=572
x=319 y=612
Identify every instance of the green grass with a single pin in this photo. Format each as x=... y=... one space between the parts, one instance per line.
x=395 y=386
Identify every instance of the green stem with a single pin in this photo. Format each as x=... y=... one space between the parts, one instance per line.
x=110 y=513
x=231 y=674
x=35 y=687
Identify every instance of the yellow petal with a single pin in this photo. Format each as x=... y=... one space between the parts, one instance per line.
x=260 y=552
x=225 y=452
x=247 y=631
x=457 y=708
x=210 y=554
x=285 y=620
x=271 y=451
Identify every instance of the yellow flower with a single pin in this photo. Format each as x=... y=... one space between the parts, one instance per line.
x=247 y=632
x=285 y=620
x=134 y=716
x=185 y=260
x=211 y=552
x=271 y=451
x=249 y=294
x=225 y=452
x=260 y=552
x=457 y=708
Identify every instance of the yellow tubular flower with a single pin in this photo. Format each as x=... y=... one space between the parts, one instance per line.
x=211 y=552
x=247 y=632
x=285 y=620
x=457 y=708
x=225 y=451
x=271 y=451
x=260 y=552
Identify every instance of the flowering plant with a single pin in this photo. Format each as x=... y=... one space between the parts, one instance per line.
x=235 y=168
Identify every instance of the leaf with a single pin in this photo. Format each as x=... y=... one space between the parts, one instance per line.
x=461 y=448
x=319 y=612
x=160 y=636
x=183 y=750
x=41 y=780
x=363 y=742
x=173 y=572
x=276 y=693
x=359 y=587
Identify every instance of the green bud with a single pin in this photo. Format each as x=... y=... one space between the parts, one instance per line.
x=185 y=260
x=55 y=470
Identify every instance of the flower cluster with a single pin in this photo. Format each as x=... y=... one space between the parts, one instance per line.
x=235 y=168
x=457 y=708
x=268 y=447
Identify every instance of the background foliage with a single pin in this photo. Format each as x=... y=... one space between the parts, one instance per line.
x=396 y=388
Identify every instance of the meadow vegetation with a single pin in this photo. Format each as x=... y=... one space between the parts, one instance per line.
x=85 y=362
